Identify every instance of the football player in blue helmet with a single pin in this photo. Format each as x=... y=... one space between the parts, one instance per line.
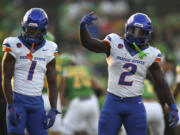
x=123 y=104
x=36 y=58
x=138 y=29
x=34 y=24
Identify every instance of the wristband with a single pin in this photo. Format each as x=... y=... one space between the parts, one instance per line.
x=82 y=25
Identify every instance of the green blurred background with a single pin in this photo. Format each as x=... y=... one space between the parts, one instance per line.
x=64 y=17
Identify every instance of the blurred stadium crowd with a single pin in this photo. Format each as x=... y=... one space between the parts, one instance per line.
x=64 y=17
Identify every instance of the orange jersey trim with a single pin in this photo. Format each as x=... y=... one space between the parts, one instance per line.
x=6 y=49
x=107 y=42
x=158 y=59
x=55 y=53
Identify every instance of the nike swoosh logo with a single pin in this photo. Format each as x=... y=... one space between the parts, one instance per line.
x=140 y=102
x=44 y=49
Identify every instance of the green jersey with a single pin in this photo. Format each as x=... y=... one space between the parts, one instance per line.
x=58 y=76
x=61 y=63
x=78 y=82
x=148 y=91
x=59 y=71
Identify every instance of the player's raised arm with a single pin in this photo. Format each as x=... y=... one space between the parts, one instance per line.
x=93 y=44
x=164 y=92
x=7 y=73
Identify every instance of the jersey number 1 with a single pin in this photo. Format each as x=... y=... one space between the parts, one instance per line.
x=127 y=73
x=31 y=70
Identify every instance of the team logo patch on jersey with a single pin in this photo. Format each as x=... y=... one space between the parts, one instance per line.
x=120 y=46
x=19 y=45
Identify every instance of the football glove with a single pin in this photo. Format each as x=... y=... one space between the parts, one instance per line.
x=87 y=20
x=173 y=116
x=50 y=118
x=12 y=115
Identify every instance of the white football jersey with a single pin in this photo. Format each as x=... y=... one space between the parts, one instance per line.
x=29 y=75
x=126 y=70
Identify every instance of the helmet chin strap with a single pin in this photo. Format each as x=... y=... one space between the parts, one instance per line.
x=141 y=53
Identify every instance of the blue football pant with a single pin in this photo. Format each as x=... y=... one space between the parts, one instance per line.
x=127 y=111
x=31 y=115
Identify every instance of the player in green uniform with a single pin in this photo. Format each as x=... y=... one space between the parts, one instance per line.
x=77 y=91
x=148 y=92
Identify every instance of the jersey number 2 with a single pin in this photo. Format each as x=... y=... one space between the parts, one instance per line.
x=123 y=75
x=31 y=70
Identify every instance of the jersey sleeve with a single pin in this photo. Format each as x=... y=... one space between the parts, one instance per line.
x=109 y=39
x=156 y=55
x=158 y=58
x=8 y=47
x=88 y=70
x=53 y=52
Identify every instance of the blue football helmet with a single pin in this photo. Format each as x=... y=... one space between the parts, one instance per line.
x=34 y=24
x=138 y=29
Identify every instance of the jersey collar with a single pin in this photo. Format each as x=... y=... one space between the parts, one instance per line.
x=131 y=51
x=29 y=47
